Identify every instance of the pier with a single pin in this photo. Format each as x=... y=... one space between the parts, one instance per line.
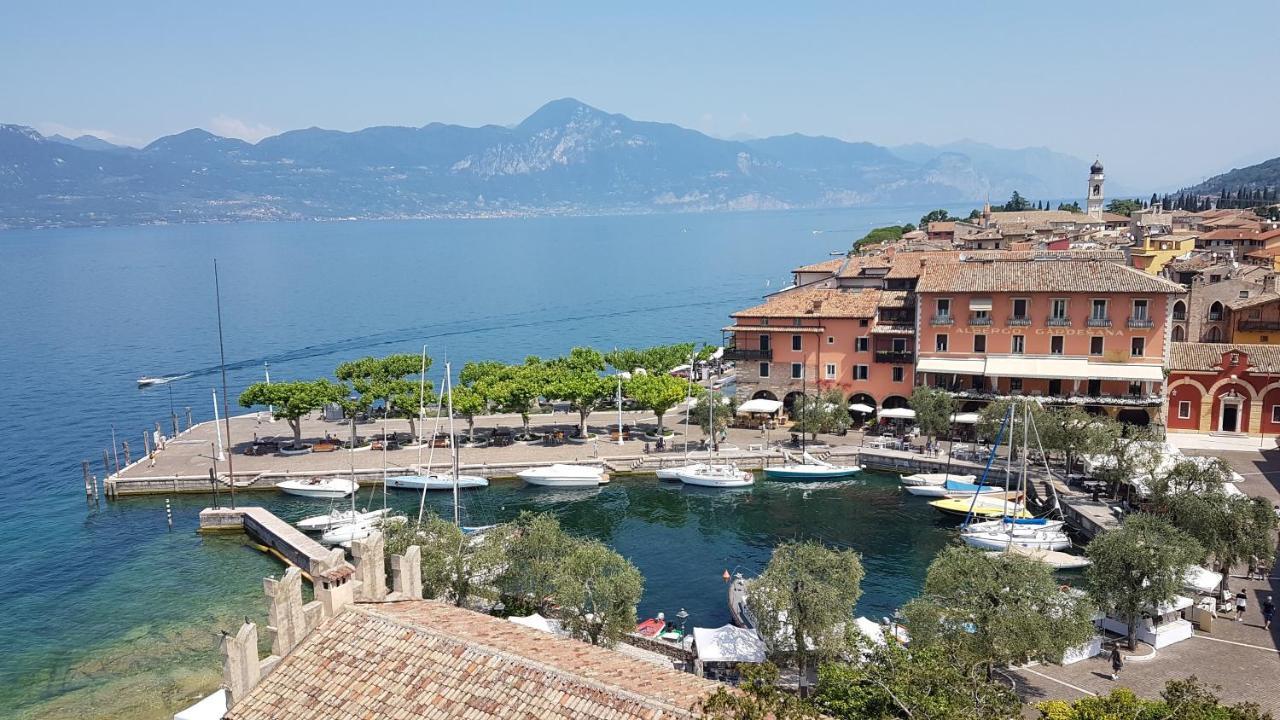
x=287 y=541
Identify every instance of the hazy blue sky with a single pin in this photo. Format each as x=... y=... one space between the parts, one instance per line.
x=1163 y=92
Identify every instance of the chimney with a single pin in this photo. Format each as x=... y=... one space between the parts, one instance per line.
x=1269 y=283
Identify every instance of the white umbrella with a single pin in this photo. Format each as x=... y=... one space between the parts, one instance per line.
x=861 y=408
x=898 y=413
x=967 y=418
x=759 y=405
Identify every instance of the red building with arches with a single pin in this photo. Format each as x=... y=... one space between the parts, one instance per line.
x=1224 y=388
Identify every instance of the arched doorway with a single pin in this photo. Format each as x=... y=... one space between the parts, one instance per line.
x=1215 y=311
x=1178 y=334
x=862 y=399
x=791 y=399
x=1179 y=310
x=896 y=401
x=1215 y=334
x=1134 y=416
x=764 y=395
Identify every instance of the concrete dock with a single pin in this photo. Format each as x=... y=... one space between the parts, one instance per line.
x=289 y=542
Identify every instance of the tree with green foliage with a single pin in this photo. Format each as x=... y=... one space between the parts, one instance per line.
x=1124 y=207
x=454 y=567
x=934 y=408
x=1017 y=203
x=1073 y=206
x=576 y=378
x=808 y=416
x=1180 y=700
x=597 y=591
x=926 y=682
x=382 y=378
x=882 y=235
x=758 y=697
x=657 y=393
x=702 y=416
x=515 y=388
x=835 y=408
x=1075 y=433
x=936 y=216
x=535 y=545
x=1140 y=565
x=803 y=601
x=294 y=400
x=1230 y=528
x=996 y=610
x=656 y=360
x=468 y=403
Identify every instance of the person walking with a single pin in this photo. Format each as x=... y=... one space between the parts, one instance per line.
x=1268 y=610
x=1242 y=603
x=1117 y=661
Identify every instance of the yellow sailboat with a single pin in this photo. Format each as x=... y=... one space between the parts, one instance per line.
x=987 y=509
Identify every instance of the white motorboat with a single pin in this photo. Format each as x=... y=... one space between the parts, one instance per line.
x=435 y=481
x=319 y=487
x=1017 y=524
x=343 y=534
x=338 y=517
x=719 y=476
x=562 y=475
x=930 y=479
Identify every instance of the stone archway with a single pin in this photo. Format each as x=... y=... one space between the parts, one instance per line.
x=1134 y=416
x=1179 y=334
x=764 y=395
x=895 y=401
x=790 y=400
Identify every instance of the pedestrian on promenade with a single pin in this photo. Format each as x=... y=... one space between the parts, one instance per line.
x=1117 y=661
x=1268 y=609
x=1242 y=603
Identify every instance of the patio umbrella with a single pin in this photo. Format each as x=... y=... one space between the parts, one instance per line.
x=861 y=408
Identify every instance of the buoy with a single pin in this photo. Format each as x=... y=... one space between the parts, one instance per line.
x=726 y=576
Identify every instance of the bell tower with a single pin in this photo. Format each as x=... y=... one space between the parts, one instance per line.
x=1094 y=195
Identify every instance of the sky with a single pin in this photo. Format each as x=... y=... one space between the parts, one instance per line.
x=1165 y=93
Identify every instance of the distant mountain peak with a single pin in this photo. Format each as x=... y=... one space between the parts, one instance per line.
x=85 y=142
x=557 y=113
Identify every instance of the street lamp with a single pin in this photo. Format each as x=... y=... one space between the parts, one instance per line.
x=621 y=376
x=682 y=616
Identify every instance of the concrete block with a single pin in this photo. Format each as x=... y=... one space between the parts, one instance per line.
x=406 y=573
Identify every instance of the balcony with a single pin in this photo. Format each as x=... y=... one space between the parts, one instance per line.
x=741 y=354
x=942 y=320
x=1058 y=322
x=897 y=357
x=1099 y=322
x=1179 y=316
x=1259 y=325
x=1141 y=322
x=1018 y=321
x=980 y=320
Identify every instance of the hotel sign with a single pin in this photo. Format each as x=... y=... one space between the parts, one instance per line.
x=990 y=330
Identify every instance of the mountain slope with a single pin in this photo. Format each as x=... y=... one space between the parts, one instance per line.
x=1263 y=176
x=566 y=157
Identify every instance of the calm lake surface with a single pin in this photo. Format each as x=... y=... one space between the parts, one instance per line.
x=109 y=614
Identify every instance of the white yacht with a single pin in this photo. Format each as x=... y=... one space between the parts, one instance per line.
x=435 y=481
x=319 y=487
x=718 y=476
x=563 y=475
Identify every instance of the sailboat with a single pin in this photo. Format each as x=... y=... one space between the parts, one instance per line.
x=673 y=473
x=722 y=475
x=950 y=488
x=430 y=480
x=1011 y=530
x=361 y=525
x=809 y=467
x=936 y=478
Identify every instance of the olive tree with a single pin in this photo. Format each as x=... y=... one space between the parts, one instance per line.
x=1140 y=565
x=597 y=591
x=535 y=545
x=934 y=408
x=657 y=393
x=454 y=566
x=293 y=400
x=576 y=378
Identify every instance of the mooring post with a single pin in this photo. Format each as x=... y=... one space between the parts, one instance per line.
x=188 y=417
x=213 y=481
x=174 y=417
x=88 y=489
x=168 y=513
x=106 y=463
x=146 y=445
x=124 y=445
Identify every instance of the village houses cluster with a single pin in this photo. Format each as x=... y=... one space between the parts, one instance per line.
x=1160 y=317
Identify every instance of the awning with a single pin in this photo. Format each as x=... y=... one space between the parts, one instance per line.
x=1125 y=371
x=1201 y=579
x=728 y=644
x=759 y=405
x=1025 y=366
x=968 y=418
x=861 y=408
x=898 y=414
x=955 y=366
x=980 y=304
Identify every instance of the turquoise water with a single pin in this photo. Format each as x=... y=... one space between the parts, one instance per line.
x=109 y=614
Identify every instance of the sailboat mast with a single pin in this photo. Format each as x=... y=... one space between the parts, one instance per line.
x=226 y=413
x=688 y=410
x=422 y=398
x=453 y=443
x=386 y=410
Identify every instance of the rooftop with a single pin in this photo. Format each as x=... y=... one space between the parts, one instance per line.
x=424 y=659
x=1040 y=217
x=1208 y=356
x=1260 y=299
x=1230 y=234
x=817 y=302
x=831 y=265
x=1049 y=272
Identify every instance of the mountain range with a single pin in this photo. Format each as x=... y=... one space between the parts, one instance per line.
x=1262 y=176
x=565 y=158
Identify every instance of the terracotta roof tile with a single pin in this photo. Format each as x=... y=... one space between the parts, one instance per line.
x=817 y=302
x=1051 y=273
x=1207 y=356
x=1230 y=234
x=831 y=265
x=425 y=659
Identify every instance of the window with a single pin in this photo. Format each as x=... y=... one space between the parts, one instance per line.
x=1058 y=309
x=861 y=344
x=1099 y=311
x=1244 y=294
x=1138 y=347
x=831 y=340
x=1255 y=314
x=764 y=321
x=898 y=373
x=1275 y=413
x=1055 y=345
x=1015 y=384
x=1140 y=309
x=796 y=342
x=1095 y=345
x=944 y=307
x=1215 y=311
x=860 y=372
x=1215 y=278
x=1095 y=387
x=1055 y=387
x=831 y=371
x=941 y=343
x=797 y=371
x=1018 y=345
x=979 y=343
x=1135 y=389
x=764 y=370
x=899 y=345
x=764 y=343
x=1019 y=307
x=862 y=322
x=1184 y=409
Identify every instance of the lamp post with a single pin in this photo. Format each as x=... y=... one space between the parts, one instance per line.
x=271 y=410
x=621 y=376
x=683 y=616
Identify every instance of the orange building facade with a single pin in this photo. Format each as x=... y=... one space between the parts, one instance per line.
x=1224 y=388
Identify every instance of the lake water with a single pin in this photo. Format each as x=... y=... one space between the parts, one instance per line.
x=108 y=614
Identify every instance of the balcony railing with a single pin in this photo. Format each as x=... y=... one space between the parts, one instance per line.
x=942 y=320
x=739 y=354
x=1141 y=322
x=898 y=357
x=1179 y=316
x=1058 y=322
x=1260 y=324
x=1018 y=320
x=1099 y=322
x=980 y=320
